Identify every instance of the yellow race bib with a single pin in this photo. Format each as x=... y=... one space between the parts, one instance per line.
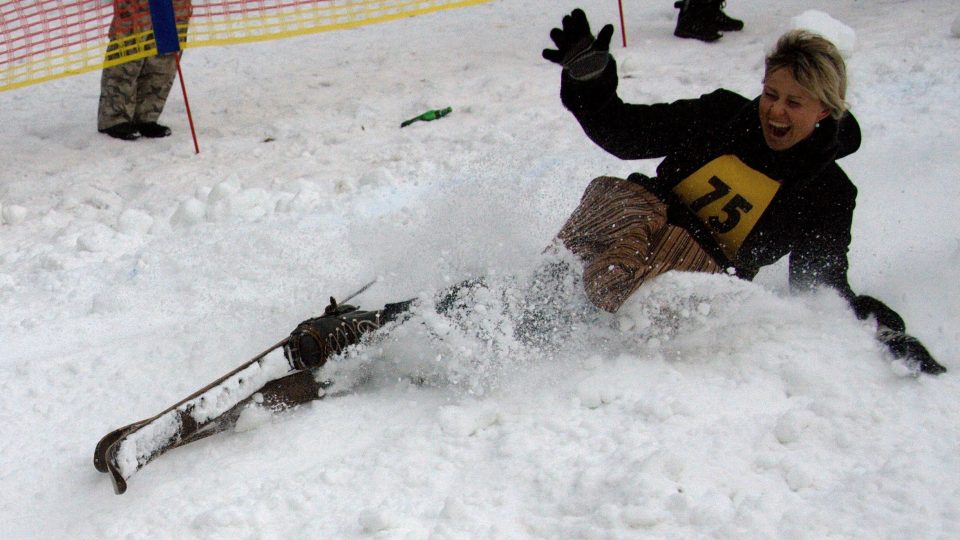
x=729 y=197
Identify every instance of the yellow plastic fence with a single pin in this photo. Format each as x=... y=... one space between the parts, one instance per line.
x=42 y=40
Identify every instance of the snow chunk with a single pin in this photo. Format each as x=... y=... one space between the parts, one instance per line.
x=955 y=27
x=594 y=392
x=134 y=222
x=791 y=425
x=223 y=191
x=97 y=239
x=374 y=521
x=220 y=200
x=377 y=177
x=252 y=417
x=189 y=212
x=13 y=214
x=844 y=37
x=461 y=422
x=799 y=475
x=639 y=517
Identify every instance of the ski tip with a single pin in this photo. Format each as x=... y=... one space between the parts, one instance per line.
x=103 y=446
x=110 y=463
x=100 y=452
x=119 y=484
x=98 y=461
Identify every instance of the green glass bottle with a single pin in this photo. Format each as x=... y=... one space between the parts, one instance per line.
x=432 y=114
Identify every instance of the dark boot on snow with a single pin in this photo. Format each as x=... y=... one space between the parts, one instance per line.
x=722 y=21
x=124 y=131
x=697 y=20
x=315 y=340
x=153 y=130
x=725 y=23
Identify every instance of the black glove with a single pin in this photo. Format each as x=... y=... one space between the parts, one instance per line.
x=909 y=348
x=865 y=306
x=581 y=56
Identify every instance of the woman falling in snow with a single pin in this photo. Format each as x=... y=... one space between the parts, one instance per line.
x=742 y=184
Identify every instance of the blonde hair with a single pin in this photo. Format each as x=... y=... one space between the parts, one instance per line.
x=817 y=66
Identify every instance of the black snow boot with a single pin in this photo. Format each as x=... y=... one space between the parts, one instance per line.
x=723 y=22
x=697 y=20
x=153 y=130
x=315 y=340
x=124 y=131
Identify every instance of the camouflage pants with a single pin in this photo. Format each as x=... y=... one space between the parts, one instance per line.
x=135 y=91
x=621 y=234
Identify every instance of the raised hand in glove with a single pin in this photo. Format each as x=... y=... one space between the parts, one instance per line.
x=909 y=348
x=582 y=56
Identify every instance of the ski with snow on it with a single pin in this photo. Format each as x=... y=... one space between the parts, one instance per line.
x=269 y=380
x=264 y=381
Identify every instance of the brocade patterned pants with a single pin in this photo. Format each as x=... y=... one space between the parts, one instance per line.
x=621 y=234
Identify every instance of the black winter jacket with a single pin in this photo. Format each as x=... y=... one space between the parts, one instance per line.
x=810 y=215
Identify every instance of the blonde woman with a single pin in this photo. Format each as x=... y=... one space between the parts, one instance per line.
x=743 y=182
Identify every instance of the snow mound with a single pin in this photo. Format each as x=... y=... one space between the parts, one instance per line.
x=841 y=35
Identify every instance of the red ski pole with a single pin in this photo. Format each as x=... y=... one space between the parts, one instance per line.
x=623 y=30
x=186 y=101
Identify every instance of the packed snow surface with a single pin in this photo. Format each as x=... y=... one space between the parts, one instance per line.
x=131 y=274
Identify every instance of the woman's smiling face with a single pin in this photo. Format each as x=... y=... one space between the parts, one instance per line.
x=788 y=113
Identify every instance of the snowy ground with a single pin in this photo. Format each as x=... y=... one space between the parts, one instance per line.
x=133 y=273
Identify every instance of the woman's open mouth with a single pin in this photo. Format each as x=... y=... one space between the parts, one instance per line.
x=778 y=130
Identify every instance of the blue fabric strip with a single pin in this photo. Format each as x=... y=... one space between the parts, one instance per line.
x=164 y=26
